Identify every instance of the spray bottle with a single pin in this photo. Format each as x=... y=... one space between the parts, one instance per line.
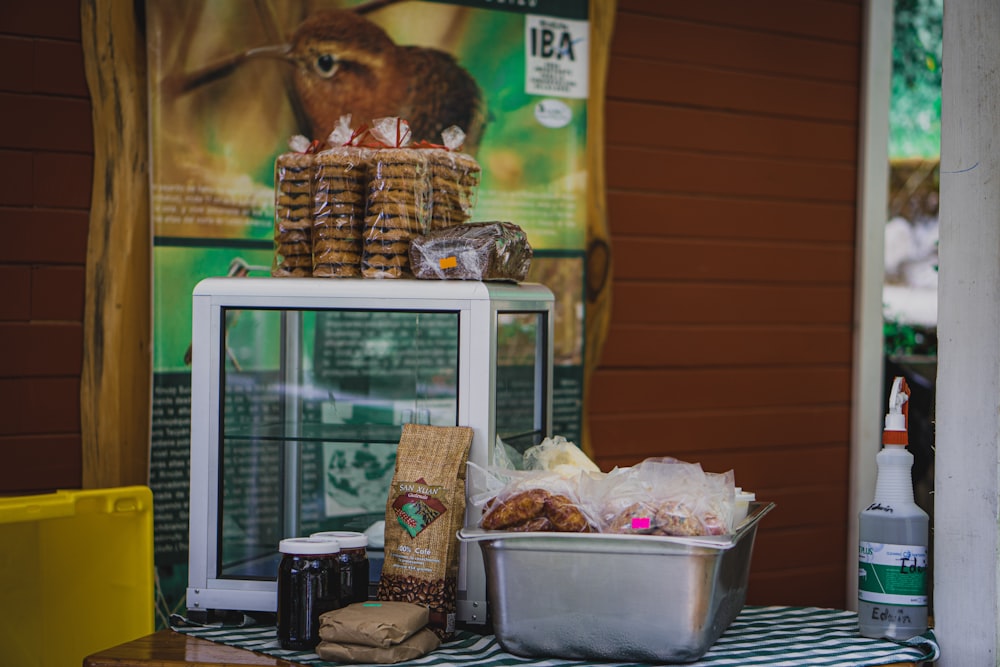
x=893 y=537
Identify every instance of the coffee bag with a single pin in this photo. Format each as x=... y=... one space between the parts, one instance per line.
x=424 y=510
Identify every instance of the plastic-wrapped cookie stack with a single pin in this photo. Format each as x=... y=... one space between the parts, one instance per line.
x=338 y=218
x=398 y=202
x=454 y=181
x=293 y=211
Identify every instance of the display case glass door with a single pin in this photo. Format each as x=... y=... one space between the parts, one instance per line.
x=310 y=424
x=520 y=381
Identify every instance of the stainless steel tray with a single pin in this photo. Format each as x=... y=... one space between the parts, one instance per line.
x=615 y=597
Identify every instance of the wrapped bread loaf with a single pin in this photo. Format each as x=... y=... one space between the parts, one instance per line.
x=473 y=251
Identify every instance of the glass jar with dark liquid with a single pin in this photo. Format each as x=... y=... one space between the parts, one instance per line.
x=309 y=577
x=354 y=559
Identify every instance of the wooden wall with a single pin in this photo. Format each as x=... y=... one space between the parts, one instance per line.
x=46 y=157
x=731 y=147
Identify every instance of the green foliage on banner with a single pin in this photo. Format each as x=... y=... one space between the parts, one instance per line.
x=915 y=106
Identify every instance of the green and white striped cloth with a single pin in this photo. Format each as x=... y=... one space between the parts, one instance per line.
x=771 y=636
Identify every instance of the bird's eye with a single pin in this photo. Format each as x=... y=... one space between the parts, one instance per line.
x=326 y=65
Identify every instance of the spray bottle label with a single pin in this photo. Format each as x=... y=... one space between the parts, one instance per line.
x=892 y=574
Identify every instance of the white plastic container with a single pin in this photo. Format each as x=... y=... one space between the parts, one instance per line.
x=893 y=538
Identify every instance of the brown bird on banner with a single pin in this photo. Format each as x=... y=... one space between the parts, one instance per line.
x=347 y=64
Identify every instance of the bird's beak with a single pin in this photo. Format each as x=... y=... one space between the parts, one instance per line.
x=183 y=82
x=276 y=52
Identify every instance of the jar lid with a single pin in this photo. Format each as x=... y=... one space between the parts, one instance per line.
x=348 y=539
x=309 y=546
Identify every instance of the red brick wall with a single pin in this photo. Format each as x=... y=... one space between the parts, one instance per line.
x=46 y=158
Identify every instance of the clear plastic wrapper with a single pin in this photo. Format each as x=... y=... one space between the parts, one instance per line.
x=653 y=498
x=454 y=181
x=534 y=501
x=473 y=251
x=665 y=498
x=398 y=202
x=293 y=210
x=340 y=176
x=454 y=187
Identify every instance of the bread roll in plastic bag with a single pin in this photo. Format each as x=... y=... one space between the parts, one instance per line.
x=473 y=251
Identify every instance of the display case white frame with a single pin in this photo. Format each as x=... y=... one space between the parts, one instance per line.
x=478 y=305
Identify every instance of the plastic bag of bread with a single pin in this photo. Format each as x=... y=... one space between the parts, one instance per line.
x=664 y=497
x=536 y=501
x=473 y=251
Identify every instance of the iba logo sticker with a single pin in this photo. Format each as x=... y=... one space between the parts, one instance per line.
x=556 y=56
x=416 y=506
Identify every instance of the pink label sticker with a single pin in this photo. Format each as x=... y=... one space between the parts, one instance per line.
x=640 y=523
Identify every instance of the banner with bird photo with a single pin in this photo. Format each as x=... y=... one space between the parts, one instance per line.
x=232 y=82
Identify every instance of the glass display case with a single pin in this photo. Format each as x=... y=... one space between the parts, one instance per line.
x=300 y=388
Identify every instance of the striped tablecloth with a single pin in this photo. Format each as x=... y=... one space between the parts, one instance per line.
x=772 y=636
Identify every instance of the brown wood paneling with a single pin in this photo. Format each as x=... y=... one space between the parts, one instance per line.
x=44 y=122
x=15 y=285
x=40 y=406
x=16 y=179
x=643 y=389
x=671 y=214
x=57 y=293
x=676 y=302
x=813 y=587
x=783 y=550
x=41 y=349
x=631 y=168
x=642 y=434
x=642 y=35
x=653 y=258
x=804 y=18
x=58 y=69
x=815 y=465
x=62 y=180
x=634 y=79
x=40 y=463
x=20 y=229
x=46 y=145
x=16 y=50
x=731 y=144
x=56 y=19
x=639 y=346
x=650 y=125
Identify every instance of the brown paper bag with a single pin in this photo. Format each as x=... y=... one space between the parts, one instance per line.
x=420 y=644
x=378 y=624
x=424 y=510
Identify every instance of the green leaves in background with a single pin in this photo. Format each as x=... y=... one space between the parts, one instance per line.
x=915 y=106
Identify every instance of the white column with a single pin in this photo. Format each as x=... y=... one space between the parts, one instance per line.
x=966 y=558
x=869 y=270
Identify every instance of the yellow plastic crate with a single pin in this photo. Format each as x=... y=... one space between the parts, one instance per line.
x=76 y=574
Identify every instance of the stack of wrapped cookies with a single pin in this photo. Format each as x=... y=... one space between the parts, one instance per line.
x=399 y=210
x=293 y=215
x=454 y=183
x=353 y=209
x=339 y=211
